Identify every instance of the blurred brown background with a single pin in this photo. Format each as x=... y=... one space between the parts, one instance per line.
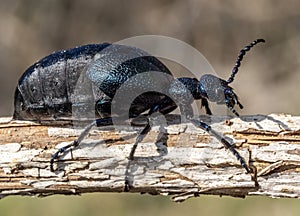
x=268 y=80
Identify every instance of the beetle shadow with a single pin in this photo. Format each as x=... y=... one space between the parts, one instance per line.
x=174 y=119
x=260 y=118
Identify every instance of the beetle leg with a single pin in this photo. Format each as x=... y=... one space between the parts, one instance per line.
x=209 y=130
x=204 y=103
x=98 y=122
x=139 y=138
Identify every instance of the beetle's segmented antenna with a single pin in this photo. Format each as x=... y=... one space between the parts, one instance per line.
x=240 y=58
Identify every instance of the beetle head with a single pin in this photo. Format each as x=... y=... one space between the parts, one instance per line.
x=217 y=90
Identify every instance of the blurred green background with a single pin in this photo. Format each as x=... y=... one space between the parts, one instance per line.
x=268 y=81
x=146 y=205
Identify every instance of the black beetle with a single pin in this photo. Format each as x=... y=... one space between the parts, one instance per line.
x=47 y=89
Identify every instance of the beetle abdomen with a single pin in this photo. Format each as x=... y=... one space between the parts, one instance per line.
x=46 y=88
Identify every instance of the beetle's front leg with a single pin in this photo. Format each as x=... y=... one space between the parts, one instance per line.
x=187 y=111
x=209 y=130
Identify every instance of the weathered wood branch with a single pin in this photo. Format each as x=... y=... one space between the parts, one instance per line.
x=194 y=163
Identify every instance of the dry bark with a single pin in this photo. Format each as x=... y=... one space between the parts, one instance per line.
x=194 y=163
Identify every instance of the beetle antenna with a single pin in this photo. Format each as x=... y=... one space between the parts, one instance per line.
x=240 y=58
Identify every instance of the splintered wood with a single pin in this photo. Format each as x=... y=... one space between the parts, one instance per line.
x=177 y=159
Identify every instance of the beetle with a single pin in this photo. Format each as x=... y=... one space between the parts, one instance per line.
x=47 y=89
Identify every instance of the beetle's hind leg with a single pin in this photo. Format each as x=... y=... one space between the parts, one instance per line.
x=98 y=122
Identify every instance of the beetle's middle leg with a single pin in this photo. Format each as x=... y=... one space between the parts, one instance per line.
x=139 y=139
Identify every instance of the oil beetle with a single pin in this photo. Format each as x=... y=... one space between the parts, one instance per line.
x=47 y=89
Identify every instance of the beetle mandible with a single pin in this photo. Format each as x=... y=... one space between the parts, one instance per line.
x=47 y=89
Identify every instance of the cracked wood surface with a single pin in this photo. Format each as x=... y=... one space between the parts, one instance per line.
x=194 y=163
